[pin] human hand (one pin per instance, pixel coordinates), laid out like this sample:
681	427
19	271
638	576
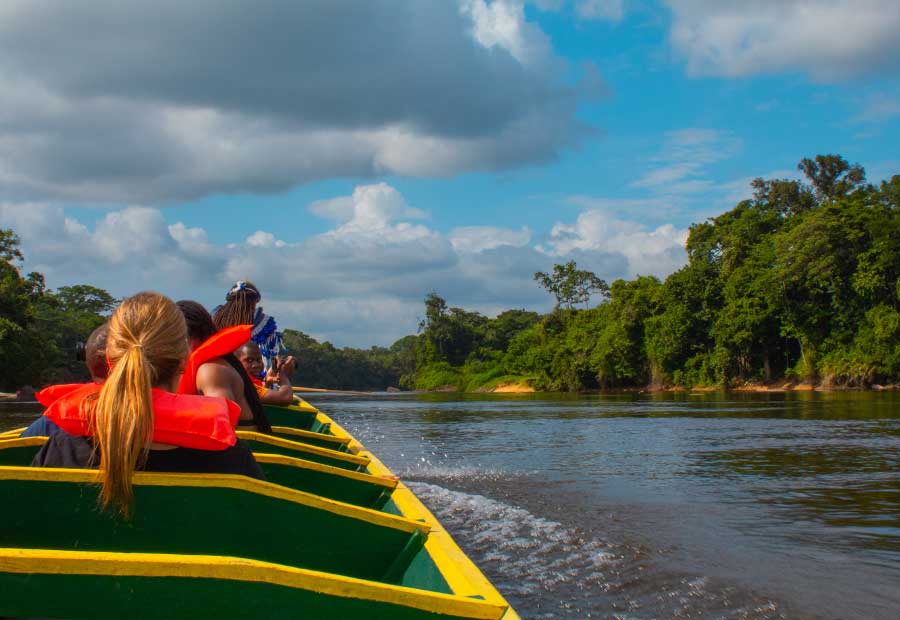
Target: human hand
271	375
287	366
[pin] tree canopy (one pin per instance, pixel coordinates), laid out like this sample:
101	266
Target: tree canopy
570	285
41	329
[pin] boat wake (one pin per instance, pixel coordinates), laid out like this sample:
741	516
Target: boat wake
548	569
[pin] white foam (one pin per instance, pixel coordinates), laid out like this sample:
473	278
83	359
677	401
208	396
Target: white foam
558	571
535	554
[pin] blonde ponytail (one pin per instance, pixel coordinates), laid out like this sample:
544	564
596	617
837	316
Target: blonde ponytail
146	346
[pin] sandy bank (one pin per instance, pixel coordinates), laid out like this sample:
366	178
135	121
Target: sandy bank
512	388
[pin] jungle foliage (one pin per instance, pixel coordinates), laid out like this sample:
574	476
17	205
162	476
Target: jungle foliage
40	330
800	282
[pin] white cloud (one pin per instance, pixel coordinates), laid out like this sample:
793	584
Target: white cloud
649	252
263	239
371	209
118	102
501	23
827	39
469	239
128	250
360	283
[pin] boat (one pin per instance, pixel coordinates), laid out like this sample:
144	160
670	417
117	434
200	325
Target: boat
331	534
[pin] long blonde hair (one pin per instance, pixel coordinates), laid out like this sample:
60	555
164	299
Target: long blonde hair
146	347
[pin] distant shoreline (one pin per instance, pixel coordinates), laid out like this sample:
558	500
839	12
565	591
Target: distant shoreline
769	388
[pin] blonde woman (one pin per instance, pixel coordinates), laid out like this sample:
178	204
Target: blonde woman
135	420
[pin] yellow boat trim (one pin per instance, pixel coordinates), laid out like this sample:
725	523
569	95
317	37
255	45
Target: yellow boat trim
227	481
280	459
302	447
13	433
22	442
41	561
287	430
299	406
458	570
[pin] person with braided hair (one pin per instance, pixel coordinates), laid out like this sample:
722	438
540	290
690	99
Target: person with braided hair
241	308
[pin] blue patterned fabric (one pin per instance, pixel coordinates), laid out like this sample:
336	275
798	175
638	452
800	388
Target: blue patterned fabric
265	333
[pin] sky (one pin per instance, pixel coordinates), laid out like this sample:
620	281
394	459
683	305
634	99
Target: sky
349	157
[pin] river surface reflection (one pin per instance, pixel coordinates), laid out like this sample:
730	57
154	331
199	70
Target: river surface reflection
633	506
639	507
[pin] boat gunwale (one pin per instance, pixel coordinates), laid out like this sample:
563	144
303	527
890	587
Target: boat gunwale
22	442
224	481
113	564
281	459
302	447
298	432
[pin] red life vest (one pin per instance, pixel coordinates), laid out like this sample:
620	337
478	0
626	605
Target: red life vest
200	422
51	393
221	343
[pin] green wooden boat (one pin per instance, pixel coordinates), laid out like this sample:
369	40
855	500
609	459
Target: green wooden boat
318	540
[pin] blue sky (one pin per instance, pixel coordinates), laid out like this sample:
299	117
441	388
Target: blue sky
350	157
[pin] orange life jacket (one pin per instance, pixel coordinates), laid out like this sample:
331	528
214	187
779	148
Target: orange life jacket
187	421
51	393
221	343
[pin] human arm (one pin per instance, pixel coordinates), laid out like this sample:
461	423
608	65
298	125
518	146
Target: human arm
219	379
284	395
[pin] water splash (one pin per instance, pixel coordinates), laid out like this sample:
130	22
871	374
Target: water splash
551	570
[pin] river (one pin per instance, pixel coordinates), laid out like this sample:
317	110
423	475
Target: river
706	506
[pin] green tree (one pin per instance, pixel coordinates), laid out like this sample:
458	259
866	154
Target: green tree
570	285
832	176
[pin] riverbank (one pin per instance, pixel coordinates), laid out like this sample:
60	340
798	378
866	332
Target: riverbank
787	386
524	387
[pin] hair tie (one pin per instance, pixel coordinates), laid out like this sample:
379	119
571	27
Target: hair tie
239	286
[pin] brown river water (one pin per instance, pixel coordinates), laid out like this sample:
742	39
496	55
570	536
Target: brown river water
711	506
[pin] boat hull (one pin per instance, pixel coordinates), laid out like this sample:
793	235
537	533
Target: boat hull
196	546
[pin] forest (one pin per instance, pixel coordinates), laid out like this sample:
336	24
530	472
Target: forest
800	283
41	331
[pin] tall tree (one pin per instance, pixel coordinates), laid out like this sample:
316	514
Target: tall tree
570	285
832	175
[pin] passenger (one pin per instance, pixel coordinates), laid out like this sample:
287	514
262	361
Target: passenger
250	356
95	354
95	360
134	420
219	373
240	308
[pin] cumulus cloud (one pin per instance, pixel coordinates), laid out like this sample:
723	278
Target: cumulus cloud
128	250
827	39
360	283
656	252
131	102
471	239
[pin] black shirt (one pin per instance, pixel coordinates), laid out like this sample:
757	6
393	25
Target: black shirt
64	450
